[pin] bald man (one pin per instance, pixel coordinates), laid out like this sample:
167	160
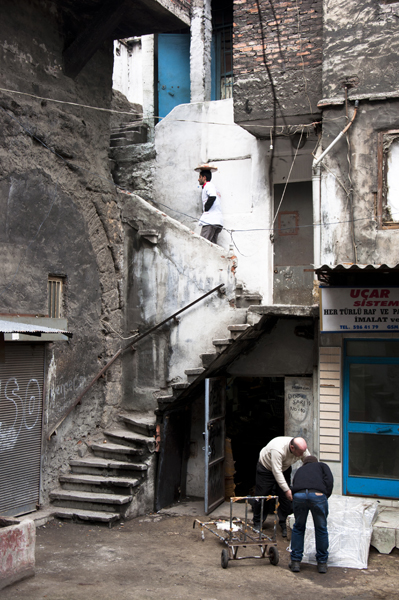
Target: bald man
274	471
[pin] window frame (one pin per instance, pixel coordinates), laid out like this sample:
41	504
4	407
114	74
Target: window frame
382	209
55	306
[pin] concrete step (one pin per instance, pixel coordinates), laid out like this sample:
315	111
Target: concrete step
90	500
143	423
245	300
131	439
221	345
97	483
237	330
207	359
117	141
94	465
164	401
179	387
192	374
109	450
137	153
151	235
133	126
136	135
86	515
385	535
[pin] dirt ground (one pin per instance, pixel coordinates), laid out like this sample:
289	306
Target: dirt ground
163	558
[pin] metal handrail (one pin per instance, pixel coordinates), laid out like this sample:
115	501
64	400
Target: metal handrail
53	430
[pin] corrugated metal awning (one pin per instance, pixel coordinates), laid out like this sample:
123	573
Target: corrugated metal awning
355	267
28	329
331	273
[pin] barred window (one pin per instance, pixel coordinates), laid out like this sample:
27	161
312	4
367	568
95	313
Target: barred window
55	290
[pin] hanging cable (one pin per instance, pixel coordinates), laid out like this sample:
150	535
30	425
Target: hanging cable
285	187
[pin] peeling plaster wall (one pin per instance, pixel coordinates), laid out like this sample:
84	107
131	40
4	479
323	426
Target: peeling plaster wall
361	43
127	76
162	279
133	75
59	216
373	245
199	132
200	51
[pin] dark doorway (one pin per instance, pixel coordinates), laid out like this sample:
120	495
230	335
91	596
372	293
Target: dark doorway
254	415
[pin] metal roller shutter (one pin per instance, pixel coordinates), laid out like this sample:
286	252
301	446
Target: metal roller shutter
21	409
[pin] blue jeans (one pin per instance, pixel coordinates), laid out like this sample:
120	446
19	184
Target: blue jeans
318	506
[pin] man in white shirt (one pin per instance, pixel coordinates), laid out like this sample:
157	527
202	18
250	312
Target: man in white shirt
211	218
273	471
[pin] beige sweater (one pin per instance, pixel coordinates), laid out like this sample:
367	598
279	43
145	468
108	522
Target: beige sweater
277	457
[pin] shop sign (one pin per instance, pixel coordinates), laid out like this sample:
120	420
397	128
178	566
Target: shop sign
359	309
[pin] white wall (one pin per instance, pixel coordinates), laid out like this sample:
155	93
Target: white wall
163	278
127	76
205	132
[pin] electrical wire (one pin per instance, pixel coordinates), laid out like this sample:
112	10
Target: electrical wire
136	334
288	178
324	224
280	130
121	189
107	110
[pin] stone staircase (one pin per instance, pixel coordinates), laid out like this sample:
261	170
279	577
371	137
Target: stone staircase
132	157
109	482
207	359
116	477
244	299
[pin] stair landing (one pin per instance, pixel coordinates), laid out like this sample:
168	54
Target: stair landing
386	530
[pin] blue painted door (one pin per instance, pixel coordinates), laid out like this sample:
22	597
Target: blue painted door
371	418
173	71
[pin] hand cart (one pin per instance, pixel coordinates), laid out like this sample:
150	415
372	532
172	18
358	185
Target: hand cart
238	534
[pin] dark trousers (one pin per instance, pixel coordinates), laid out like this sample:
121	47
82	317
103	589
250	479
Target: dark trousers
211	232
317	504
266	485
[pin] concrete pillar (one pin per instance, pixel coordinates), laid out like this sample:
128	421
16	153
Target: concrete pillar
200	51
149	83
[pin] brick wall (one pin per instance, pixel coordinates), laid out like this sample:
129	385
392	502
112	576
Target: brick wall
296	70
300	27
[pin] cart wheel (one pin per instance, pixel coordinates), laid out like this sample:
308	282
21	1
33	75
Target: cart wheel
225	558
273	555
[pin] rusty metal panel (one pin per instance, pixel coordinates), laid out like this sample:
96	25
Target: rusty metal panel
293	244
21	410
292	285
215	412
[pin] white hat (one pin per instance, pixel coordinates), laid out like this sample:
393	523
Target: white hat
206	167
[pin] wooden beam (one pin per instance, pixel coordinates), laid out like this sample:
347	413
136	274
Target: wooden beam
88	41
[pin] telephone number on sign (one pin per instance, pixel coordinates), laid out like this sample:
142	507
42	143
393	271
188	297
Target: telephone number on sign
375	327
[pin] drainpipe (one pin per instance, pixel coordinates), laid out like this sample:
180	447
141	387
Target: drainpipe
316	192
316	188
339	136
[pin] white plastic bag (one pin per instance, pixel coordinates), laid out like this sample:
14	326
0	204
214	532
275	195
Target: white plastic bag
350	525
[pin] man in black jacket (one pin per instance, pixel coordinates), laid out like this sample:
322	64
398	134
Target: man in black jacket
312	485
